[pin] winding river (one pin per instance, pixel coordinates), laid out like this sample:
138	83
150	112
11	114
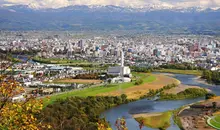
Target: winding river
148	106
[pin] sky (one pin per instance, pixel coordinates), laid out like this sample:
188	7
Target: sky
123	3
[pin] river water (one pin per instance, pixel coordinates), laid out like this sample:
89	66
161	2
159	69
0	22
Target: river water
24	58
148	106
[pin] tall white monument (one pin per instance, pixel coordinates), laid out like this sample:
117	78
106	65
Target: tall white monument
122	64
69	50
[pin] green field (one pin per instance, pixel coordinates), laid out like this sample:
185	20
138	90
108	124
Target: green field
102	89
217	118
215	122
161	121
175	71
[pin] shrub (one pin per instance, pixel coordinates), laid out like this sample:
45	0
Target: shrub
138	82
209	96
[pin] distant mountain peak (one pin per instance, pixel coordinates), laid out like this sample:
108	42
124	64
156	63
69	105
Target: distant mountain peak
113	8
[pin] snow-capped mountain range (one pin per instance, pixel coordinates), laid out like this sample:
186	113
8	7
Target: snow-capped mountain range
112	8
149	18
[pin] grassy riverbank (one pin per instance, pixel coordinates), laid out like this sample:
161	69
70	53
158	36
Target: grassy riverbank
176	71
215	122
94	91
176	117
155	120
186	94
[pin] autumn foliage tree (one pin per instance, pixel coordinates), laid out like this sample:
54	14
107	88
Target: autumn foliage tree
18	115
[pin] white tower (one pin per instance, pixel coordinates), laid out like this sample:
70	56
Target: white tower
122	63
122	58
69	50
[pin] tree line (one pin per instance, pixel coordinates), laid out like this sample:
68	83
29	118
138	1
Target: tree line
212	77
188	93
180	66
141	69
77	113
152	92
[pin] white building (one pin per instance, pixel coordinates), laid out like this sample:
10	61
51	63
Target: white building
120	80
120	70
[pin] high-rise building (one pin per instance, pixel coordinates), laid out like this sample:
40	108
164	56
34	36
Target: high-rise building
81	44
69	50
122	64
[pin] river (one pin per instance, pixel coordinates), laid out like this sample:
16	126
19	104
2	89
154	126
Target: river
24	58
148	106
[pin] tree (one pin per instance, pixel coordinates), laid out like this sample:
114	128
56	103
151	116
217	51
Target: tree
209	96
214	105
121	124
18	115
123	97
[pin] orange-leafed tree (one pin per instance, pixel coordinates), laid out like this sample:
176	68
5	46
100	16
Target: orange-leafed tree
18	115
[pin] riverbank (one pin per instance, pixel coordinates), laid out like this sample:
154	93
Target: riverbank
180	88
194	116
203	81
154	120
176	71
186	93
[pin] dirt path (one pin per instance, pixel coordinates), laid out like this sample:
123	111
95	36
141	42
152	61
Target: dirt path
137	91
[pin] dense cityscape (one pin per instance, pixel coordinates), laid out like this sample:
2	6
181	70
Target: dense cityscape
148	49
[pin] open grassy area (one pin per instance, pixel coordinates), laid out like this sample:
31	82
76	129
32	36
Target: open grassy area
175	71
215	122
157	120
217	118
101	89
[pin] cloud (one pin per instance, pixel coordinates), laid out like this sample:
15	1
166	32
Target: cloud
41	3
130	3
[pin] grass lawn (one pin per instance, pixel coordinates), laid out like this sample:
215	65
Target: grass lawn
217	118
215	122
175	71
101	89
161	120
